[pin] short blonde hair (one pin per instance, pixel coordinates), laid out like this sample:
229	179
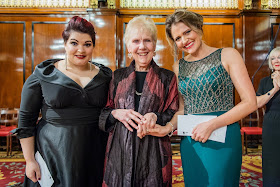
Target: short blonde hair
275	50
141	23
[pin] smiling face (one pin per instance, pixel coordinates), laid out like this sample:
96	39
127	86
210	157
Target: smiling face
79	48
275	61
142	47
186	38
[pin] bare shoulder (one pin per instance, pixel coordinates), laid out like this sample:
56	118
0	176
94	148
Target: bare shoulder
230	52
230	56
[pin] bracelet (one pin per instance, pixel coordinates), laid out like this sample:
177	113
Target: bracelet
172	129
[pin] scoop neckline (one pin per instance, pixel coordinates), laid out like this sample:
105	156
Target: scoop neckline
202	58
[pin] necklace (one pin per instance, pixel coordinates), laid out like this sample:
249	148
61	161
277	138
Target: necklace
138	93
91	66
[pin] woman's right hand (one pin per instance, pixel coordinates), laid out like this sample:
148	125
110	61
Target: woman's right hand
160	131
128	117
32	170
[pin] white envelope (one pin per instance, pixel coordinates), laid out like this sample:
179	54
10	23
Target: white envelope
46	177
186	123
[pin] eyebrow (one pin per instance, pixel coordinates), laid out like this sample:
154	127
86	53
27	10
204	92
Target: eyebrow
78	41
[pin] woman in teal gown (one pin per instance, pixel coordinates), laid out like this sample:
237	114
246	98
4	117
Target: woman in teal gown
206	77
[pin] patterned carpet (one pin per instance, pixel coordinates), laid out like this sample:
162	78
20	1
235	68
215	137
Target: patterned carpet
177	172
251	171
12	171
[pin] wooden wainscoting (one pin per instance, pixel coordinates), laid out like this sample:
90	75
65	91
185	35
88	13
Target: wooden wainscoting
12	65
29	36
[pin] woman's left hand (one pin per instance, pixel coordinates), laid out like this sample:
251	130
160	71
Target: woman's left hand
202	132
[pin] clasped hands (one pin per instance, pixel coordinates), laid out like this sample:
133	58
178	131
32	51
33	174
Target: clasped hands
144	124
276	79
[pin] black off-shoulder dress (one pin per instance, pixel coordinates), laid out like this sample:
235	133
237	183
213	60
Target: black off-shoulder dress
67	136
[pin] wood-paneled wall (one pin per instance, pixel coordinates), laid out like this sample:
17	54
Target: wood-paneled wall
28	37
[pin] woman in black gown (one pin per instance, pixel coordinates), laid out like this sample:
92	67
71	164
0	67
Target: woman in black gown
268	94
70	94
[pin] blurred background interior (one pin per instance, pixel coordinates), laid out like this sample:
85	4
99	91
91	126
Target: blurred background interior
31	33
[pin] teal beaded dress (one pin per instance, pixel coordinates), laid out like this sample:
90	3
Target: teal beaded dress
207	89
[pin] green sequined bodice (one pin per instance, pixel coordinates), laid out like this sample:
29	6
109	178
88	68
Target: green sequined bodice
205	85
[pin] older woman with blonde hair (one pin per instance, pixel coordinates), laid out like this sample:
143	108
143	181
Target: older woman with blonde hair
140	96
268	94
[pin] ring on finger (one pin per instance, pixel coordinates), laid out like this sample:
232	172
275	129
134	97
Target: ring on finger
147	130
127	119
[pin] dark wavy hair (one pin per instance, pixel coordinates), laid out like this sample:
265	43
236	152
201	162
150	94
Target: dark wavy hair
79	24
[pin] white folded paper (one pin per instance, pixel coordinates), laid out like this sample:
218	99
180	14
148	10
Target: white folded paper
46	177
186	123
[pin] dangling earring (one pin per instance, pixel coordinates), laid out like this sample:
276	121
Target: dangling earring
155	53
65	61
129	55
90	66
272	70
